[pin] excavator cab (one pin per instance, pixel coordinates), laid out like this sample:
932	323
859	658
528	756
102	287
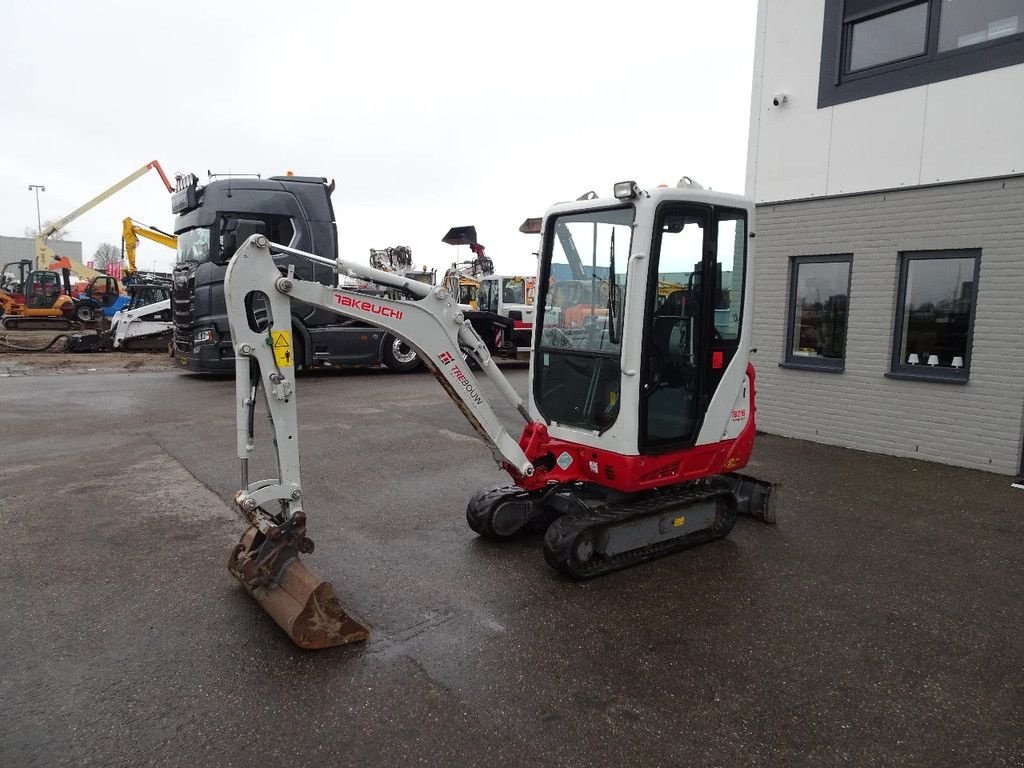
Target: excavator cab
619	364
42	303
42	289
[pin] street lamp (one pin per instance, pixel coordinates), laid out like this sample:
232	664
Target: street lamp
39	222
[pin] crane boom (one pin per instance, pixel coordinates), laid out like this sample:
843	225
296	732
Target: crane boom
44	254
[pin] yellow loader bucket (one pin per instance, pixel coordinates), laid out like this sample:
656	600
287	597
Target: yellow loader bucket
303	605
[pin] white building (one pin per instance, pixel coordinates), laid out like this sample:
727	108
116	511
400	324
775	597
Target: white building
886	158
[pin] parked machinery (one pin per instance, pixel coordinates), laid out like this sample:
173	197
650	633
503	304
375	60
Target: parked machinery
37	302
145	324
462	279
212	220
476	287
637	420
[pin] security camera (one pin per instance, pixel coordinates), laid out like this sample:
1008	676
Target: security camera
779	99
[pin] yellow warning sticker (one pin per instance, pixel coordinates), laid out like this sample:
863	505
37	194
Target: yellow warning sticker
282	343
678	521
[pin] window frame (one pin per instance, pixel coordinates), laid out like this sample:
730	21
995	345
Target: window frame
923	372
836	85
789	360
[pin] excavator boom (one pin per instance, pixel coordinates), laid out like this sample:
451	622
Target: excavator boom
258	303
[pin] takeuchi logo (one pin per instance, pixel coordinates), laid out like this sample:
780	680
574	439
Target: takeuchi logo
367	306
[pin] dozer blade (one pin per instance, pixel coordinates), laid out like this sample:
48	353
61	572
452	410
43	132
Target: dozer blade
303	605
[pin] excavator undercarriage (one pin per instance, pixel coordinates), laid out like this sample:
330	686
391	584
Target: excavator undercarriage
590	531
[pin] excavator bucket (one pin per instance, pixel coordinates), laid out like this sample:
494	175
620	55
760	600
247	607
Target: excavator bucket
303	605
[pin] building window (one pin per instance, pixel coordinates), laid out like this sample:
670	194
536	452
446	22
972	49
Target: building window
963	23
935	314
890	37
819	303
870	47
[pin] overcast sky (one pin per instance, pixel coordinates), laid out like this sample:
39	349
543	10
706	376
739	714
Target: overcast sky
428	115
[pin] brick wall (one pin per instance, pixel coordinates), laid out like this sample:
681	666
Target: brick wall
978	424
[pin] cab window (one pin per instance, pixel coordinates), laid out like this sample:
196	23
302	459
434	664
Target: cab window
580	316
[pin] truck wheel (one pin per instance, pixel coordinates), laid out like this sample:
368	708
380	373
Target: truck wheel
84	313
399	356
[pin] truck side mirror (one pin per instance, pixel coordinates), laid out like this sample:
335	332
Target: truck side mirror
235	232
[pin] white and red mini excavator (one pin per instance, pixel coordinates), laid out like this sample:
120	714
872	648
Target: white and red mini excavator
640	408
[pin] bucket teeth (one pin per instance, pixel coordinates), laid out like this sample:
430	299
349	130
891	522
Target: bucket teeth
303	605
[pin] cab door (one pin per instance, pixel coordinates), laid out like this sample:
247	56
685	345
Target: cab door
675	332
693	319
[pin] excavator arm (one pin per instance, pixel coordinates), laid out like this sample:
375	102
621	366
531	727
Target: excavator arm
132	230
258	298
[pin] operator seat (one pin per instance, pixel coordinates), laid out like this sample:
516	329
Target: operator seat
666	319
671	406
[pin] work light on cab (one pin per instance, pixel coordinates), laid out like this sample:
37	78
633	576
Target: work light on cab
626	190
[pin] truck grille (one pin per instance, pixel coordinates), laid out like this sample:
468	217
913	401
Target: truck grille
182	299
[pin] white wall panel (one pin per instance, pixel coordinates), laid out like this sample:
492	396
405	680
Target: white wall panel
876	143
791	154
974	126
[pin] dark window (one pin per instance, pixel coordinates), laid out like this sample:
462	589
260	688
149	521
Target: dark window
819	302
236	228
935	314
870	47
488	295
513	290
889	37
963	23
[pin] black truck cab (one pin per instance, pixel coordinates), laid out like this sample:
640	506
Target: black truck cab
212	221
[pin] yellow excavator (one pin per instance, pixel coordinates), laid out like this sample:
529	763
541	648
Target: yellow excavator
44	254
131	231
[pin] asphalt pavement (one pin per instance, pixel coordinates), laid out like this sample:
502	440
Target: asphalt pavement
879	623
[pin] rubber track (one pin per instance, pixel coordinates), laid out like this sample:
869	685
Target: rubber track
481	507
478	509
561	536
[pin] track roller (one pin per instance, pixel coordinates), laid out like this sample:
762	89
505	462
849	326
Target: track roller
637	530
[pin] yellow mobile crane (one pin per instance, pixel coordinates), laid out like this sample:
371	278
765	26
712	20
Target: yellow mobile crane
44	254
131	231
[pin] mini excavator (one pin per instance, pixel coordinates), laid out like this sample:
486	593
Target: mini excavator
640	410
